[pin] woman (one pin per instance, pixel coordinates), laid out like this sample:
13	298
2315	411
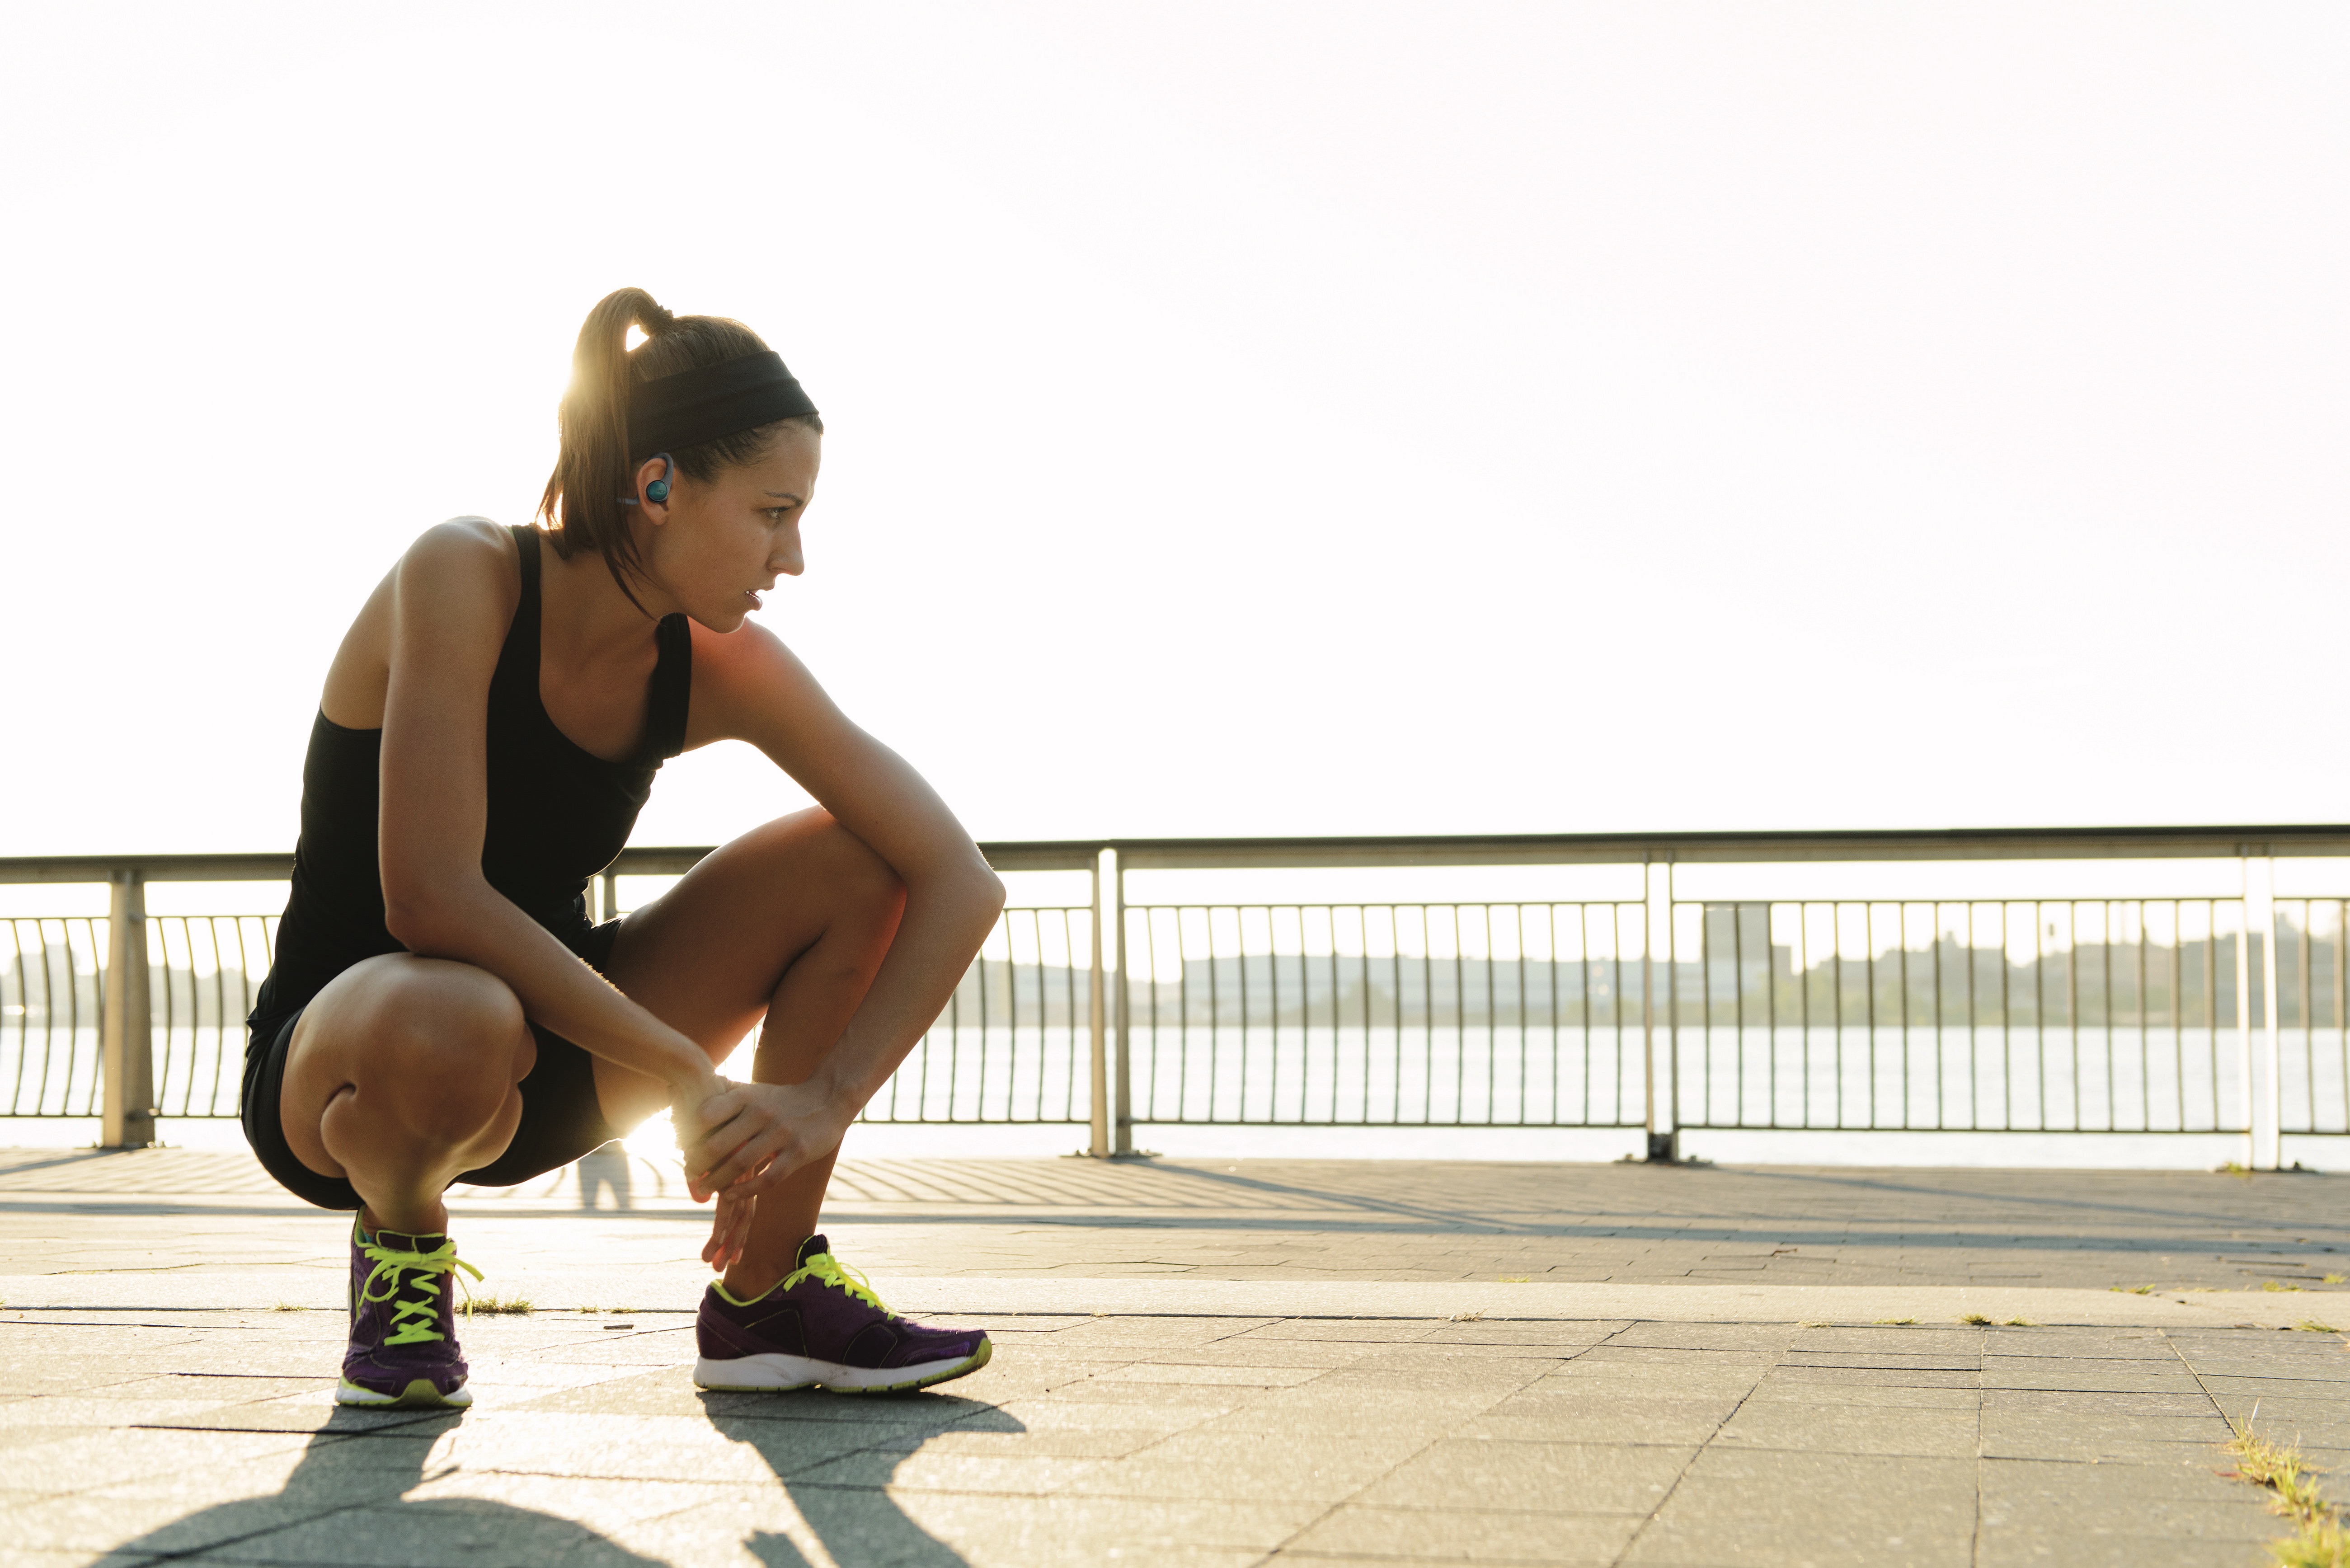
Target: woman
441	1008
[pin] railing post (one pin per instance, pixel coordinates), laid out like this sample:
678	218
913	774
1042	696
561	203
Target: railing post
127	1028
1098	1147
1122	1118
1664	1130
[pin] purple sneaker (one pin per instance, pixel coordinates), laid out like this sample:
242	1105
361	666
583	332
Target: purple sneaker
403	1350
823	1324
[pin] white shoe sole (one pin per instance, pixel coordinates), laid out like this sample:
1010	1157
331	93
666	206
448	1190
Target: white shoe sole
778	1372
419	1395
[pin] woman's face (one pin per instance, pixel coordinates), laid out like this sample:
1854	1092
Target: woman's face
722	545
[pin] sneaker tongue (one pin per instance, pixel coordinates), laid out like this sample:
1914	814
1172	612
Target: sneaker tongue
813	1247
401	1242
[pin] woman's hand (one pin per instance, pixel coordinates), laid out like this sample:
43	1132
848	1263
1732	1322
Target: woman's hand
769	1131
698	1108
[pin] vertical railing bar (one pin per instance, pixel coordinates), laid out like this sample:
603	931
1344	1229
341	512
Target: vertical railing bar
2006	1029
2308	1031
2040	1009
2114	1089
2212	1001
1738	1001
2145	1043
2073	1001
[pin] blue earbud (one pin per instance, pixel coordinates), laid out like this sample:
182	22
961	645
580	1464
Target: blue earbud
658	491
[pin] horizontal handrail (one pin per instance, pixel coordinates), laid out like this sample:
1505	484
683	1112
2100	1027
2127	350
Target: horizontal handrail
2162	842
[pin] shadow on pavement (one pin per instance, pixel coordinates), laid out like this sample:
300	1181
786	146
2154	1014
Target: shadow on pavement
342	1504
603	1168
858	1522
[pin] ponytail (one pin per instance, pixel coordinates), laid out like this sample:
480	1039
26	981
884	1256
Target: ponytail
583	506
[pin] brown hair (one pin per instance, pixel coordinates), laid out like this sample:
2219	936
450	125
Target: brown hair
583	504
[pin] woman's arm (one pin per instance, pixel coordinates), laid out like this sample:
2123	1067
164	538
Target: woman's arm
452	598
747	685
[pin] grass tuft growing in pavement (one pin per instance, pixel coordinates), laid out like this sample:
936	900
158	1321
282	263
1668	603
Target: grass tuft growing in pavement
1897	1322
2277	1285
2330	1280
1975	1318
286	1306
2230	1168
2318	1540
497	1305
2021	1323
2311	1326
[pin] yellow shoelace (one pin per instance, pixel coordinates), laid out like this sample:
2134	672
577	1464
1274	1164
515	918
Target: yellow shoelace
424	1310
826	1269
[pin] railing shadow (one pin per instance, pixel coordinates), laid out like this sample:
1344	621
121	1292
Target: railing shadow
848	1511
348	1486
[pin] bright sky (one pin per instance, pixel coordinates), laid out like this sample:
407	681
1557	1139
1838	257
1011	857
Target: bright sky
1245	419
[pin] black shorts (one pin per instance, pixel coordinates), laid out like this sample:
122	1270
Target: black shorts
560	1117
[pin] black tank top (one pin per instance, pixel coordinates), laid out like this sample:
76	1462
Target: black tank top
558	815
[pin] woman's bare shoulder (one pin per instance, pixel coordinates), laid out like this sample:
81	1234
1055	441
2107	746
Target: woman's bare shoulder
462	543
449	566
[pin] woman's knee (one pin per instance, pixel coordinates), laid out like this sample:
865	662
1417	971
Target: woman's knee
444	1040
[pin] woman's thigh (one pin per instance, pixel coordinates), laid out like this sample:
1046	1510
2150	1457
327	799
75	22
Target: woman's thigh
415	1037
707	956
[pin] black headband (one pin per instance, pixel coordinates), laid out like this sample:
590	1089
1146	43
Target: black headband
673	413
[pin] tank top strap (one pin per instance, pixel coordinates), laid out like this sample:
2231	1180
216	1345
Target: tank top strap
671	689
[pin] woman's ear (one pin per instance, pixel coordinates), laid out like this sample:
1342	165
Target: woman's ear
655	478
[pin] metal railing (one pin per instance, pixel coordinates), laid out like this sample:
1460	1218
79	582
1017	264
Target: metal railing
2187	1014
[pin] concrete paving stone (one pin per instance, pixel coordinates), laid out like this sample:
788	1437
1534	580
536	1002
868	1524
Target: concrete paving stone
2145	1440
1567	1428
1144	1332
1057	1414
2049	1498
1721	1362
2095	1403
459	1532
1105	1391
1812	1392
1058	1443
1086	1530
170	1521
1463	1535
1889	1431
629	1391
1344	1331
1878	1361
1500	1330
1759	1338
2331	1376
2002	1548
1305	1354
130	1453
1770	1507
646	1448
1908	1340
1877	1376
1314	1407
1011	1475
1486	1379
1578	1478
78	1410
1209	1375
1253	1467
